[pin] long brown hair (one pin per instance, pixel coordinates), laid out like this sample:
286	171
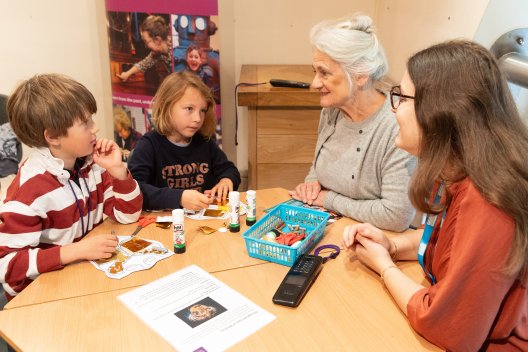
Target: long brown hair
170	91
471	128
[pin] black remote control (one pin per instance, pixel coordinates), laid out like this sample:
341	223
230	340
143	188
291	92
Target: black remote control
298	280
286	83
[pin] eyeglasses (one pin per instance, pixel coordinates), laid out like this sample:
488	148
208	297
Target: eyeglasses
396	97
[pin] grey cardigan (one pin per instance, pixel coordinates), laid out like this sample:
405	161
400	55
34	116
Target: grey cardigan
372	184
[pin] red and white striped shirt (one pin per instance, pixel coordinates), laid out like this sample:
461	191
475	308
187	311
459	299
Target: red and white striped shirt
42	211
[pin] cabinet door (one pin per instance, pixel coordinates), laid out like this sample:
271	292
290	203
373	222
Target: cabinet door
286	149
281	175
281	121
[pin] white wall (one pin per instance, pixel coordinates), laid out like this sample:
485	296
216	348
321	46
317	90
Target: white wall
57	36
500	17
407	26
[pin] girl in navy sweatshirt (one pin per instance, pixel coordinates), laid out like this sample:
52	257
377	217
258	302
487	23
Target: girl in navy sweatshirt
179	164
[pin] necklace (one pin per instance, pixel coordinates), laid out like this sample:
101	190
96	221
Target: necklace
430	226
78	202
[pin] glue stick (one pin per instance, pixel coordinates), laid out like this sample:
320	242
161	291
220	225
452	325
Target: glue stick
251	207
178	231
234	211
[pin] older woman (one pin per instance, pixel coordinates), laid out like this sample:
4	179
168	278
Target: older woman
357	170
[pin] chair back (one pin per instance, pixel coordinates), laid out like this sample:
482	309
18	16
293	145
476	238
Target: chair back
3	109
8	167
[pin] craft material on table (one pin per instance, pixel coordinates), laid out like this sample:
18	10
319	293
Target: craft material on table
212	212
333	215
132	255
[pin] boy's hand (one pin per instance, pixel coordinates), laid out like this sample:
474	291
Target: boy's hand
194	200
221	189
107	154
90	248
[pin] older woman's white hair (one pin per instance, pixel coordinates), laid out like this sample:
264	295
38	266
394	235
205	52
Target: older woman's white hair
351	42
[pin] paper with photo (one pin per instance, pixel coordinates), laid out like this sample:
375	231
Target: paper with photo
193	310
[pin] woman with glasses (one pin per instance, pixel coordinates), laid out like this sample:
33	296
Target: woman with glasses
456	114
357	170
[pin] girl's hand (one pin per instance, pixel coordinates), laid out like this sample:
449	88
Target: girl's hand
306	192
370	245
221	189
107	154
123	76
194	200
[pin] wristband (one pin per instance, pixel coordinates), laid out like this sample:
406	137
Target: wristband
333	255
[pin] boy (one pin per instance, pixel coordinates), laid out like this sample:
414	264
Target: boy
62	190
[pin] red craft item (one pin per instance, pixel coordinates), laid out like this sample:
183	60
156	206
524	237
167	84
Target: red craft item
144	221
289	238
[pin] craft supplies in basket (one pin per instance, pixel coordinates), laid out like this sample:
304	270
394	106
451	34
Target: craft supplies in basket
258	245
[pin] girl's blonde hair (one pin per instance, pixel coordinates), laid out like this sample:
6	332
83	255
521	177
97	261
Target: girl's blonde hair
172	90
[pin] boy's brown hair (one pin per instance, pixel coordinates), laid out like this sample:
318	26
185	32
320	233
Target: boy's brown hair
170	91
51	102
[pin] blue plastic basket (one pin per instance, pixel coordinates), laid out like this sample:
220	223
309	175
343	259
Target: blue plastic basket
313	221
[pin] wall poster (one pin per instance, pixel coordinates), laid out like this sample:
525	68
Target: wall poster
147	41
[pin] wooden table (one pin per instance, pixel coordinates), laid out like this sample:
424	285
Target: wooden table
282	125
347	308
213	253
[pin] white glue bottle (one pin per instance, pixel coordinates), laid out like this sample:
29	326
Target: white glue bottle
234	211
178	231
251	207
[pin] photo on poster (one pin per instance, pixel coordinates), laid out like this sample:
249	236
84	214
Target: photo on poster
148	40
196	49
200	312
140	51
130	124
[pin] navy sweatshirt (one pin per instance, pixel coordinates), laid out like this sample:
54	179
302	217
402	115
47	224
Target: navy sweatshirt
164	170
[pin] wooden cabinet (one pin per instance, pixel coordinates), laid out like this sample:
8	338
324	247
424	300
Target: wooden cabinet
282	126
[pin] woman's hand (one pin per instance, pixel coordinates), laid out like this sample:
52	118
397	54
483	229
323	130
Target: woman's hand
194	200
319	201
221	189
307	192
370	244
107	154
